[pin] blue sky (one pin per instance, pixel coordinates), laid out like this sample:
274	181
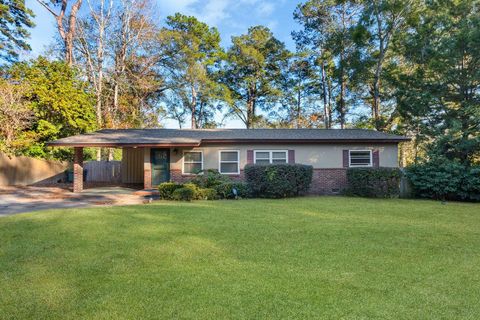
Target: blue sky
231	17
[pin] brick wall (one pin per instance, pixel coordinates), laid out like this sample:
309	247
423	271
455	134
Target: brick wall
78	170
147	169
328	181
324	181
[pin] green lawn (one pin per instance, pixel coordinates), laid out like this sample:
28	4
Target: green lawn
305	258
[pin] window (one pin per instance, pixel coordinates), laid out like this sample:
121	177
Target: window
192	162
229	162
360	158
268	157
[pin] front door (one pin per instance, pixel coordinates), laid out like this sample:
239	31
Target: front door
160	159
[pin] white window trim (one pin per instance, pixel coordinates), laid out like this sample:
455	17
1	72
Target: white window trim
270	156
183	161
220	161
360	165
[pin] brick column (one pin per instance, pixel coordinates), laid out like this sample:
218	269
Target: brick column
147	169
78	169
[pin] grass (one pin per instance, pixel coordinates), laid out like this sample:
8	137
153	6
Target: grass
308	258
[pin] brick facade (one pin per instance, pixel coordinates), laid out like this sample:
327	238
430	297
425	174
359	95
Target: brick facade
324	181
78	169
147	169
328	181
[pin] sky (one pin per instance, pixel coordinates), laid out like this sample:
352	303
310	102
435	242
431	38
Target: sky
231	17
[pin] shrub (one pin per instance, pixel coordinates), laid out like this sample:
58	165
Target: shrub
444	179
206	194
166	190
225	190
183	194
278	180
373	182
209	179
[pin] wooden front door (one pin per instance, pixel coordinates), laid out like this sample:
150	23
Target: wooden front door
160	159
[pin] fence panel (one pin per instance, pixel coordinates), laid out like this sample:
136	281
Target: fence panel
24	170
103	171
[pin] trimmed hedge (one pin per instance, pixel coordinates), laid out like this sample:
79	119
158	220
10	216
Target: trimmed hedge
166	190
183	194
444	180
209	179
225	190
278	180
373	182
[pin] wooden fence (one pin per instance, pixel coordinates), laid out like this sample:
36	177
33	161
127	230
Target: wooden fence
103	171
25	170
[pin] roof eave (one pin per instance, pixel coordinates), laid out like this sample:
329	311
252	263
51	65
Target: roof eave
118	145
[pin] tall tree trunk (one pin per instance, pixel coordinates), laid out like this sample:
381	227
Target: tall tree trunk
341	102
299	108
67	34
326	117
193	108
250	107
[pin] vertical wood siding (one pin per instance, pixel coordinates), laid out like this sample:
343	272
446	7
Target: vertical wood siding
132	165
103	171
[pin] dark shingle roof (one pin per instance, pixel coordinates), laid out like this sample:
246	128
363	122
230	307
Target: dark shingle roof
190	137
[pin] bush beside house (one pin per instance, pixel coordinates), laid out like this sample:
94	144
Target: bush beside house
278	180
445	180
268	181
373	182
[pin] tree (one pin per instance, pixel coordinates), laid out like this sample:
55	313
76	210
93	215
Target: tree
192	49
60	101
15	18
252	72
327	33
66	19
437	80
300	92
15	114
381	22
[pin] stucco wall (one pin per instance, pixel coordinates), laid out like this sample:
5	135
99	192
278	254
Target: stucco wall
326	156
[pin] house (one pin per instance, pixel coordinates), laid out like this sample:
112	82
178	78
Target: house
153	156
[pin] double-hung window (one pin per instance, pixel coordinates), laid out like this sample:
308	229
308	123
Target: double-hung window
229	162
360	158
192	162
270	156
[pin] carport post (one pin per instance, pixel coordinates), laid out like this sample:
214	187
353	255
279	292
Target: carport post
78	169
147	169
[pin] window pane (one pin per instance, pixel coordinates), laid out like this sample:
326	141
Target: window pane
360	158
262	161
279	161
193	156
262	155
192	167
361	154
229	167
228	156
279	155
360	161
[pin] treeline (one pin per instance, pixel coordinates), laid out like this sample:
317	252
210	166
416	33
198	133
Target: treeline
408	67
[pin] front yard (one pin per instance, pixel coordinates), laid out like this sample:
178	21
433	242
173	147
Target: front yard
306	258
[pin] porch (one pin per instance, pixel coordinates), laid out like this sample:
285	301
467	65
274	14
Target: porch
139	166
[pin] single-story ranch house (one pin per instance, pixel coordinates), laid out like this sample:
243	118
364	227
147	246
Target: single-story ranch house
153	156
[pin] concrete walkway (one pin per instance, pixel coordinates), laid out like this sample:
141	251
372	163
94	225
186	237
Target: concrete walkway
15	200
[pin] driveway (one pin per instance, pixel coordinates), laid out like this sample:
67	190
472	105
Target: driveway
25	199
